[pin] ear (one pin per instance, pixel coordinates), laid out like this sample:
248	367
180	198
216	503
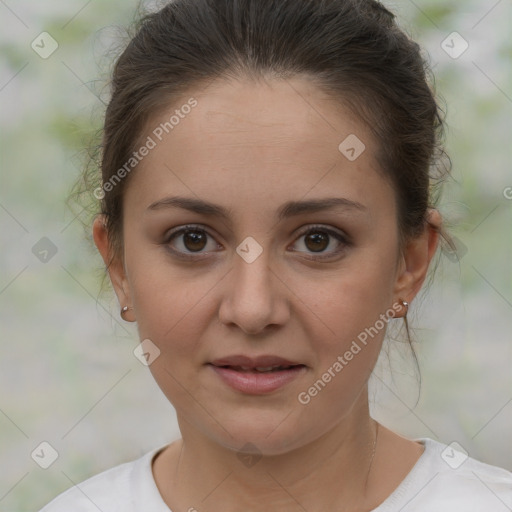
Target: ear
114	266
416	257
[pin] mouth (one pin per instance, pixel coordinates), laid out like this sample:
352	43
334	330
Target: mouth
260	369
256	376
263	362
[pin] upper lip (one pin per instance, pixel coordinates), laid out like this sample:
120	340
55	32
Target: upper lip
253	362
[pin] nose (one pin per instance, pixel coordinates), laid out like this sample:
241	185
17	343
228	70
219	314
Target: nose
254	298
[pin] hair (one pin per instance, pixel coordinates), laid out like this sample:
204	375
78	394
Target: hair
352	49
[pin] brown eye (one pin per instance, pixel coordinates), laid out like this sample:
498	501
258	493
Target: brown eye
317	241
190	242
194	240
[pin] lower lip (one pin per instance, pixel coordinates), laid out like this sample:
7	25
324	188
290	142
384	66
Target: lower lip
254	383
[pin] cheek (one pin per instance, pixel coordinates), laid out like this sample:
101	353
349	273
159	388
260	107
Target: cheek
169	314
353	298
345	358
173	307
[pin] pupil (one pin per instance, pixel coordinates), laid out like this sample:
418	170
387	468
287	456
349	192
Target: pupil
194	240
320	241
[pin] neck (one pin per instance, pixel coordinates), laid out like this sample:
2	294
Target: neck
330	472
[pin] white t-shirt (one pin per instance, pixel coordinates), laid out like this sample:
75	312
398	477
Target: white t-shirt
442	480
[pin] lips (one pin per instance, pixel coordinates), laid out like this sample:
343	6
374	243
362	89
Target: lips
258	375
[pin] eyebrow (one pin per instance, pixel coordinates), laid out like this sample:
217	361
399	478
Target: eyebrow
287	210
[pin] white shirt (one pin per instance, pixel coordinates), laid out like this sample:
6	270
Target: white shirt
442	480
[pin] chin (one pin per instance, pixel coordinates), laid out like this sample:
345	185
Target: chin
261	433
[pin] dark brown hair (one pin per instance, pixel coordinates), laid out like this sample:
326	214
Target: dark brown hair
353	49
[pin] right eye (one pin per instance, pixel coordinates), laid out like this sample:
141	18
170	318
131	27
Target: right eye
186	241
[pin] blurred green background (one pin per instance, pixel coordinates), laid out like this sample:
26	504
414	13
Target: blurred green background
67	372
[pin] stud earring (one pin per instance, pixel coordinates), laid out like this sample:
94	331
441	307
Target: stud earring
124	309
405	304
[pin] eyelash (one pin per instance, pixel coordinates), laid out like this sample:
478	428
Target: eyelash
343	239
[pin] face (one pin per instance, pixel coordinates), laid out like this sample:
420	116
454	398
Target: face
280	251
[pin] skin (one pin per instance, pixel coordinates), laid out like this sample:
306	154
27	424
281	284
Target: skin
250	147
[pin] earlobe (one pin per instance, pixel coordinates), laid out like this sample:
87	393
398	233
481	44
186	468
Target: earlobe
416	258
114	265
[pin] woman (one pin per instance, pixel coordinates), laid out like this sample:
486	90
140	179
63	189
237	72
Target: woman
268	171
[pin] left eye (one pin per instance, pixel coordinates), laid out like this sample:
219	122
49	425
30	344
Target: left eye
318	239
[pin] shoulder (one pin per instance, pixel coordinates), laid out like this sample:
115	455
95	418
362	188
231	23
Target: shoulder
114	490
446	479
107	491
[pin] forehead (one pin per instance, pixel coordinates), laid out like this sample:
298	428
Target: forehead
276	113
257	140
